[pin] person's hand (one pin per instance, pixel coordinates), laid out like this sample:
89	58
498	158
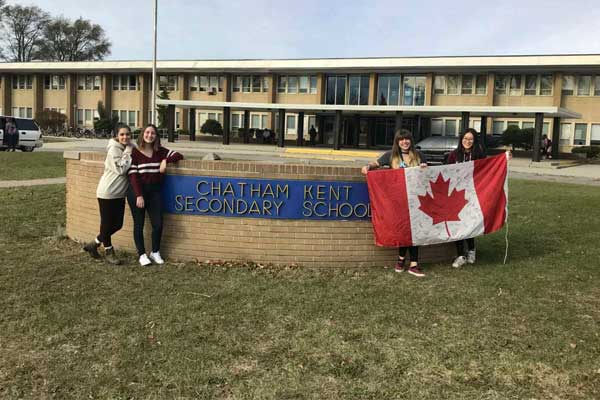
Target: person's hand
508	155
423	165
364	170
163	166
139	202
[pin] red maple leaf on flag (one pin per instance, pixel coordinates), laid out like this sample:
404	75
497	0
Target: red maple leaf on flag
443	206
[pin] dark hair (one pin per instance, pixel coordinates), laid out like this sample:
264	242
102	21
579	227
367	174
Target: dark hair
120	126
140	139
476	150
414	158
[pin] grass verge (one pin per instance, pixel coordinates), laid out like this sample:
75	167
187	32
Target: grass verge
35	165
72	328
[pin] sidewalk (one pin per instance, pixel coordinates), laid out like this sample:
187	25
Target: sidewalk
568	171
33	182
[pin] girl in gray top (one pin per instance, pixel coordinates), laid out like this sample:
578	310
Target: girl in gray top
111	193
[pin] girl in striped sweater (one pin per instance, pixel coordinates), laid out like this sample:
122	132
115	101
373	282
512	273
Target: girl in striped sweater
148	164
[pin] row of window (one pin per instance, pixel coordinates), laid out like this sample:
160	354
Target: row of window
293	84
407	90
207	83
460	84
22	112
577	134
250	83
125	82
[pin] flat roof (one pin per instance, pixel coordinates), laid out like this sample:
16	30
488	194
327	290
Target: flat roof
496	111
508	62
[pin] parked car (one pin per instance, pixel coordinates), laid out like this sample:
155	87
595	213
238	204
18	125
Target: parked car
437	148
30	134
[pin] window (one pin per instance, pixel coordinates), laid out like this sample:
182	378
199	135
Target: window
580	134
531	84
528	125
595	136
236	120
497	128
282	86
500	84
512	123
263	121
467	84
452	84
597	85
291	122
125	82
250	83
207	83
303	84
85	117
89	82
565	134
414	90
22	82
546	84
439	84
584	83
313	84
237	84
437	127
515	85
54	82
167	82
22	112
481	84
568	85
293	84
358	87
255	121
450	127
336	90
388	90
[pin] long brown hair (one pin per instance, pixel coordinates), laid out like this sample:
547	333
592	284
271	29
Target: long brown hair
155	144
413	159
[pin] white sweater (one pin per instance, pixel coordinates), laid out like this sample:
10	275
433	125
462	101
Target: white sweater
114	182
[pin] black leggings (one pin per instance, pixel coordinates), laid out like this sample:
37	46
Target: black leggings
111	219
152	204
413	251
460	246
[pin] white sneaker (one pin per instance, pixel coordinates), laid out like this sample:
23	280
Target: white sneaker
459	262
144	260
471	256
157	258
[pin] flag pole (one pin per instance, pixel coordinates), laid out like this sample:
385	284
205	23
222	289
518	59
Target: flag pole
153	115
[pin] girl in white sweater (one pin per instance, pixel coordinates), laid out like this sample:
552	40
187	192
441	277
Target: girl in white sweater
111	193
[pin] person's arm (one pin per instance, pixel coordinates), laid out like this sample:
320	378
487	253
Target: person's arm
370	166
423	162
168	156
451	158
134	177
117	161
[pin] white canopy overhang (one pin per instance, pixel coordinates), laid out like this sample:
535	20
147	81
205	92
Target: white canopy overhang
474	111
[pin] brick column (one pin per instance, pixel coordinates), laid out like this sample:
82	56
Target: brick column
107	93
144	101
7	94
373	89
557	93
185	95
38	94
428	88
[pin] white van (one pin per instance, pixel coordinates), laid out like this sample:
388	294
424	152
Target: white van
30	135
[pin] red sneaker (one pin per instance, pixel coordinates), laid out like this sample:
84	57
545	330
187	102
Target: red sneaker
400	267
416	271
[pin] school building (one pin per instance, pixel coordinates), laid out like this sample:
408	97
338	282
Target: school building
355	102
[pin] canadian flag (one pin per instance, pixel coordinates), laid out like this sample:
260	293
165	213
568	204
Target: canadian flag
419	206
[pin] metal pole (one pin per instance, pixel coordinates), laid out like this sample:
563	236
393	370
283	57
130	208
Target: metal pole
153	118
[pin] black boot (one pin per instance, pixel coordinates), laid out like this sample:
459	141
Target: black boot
92	249
111	257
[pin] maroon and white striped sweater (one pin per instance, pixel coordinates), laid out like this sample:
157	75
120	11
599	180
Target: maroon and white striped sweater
145	170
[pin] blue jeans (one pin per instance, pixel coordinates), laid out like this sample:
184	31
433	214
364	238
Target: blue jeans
153	205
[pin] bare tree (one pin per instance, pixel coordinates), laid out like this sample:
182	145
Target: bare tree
80	40
22	29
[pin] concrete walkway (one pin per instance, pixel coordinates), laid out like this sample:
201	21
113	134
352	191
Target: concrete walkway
567	171
33	182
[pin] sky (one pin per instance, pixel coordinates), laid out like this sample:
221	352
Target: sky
276	29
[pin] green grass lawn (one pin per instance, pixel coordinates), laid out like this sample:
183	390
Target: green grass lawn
71	328
36	165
